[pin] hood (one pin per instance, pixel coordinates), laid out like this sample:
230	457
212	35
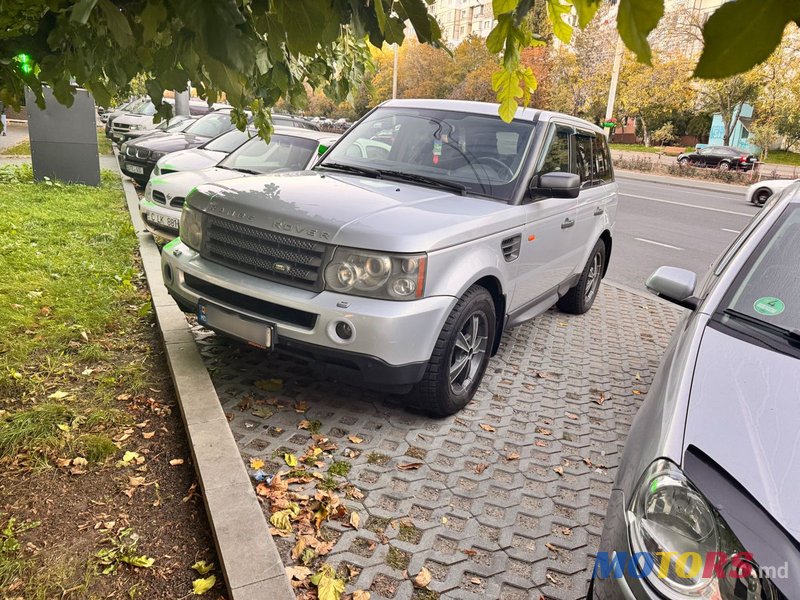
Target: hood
181	183
357	211
130	119
190	160
171	142
743	413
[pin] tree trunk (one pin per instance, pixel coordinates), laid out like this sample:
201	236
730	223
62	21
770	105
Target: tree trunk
645	133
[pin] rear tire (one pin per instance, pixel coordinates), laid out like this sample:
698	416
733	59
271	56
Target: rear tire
580	298
724	166
459	357
684	162
761	196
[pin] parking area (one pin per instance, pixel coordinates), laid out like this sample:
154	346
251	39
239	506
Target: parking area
506	499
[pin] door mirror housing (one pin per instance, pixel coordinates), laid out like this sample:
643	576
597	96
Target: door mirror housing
556	185
674	284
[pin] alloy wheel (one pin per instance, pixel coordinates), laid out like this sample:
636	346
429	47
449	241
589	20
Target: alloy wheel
593	277
468	352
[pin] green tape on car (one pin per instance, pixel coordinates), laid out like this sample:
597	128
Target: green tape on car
769	306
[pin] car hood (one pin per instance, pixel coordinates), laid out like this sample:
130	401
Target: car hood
171	142
182	182
743	414
356	211
191	160
133	119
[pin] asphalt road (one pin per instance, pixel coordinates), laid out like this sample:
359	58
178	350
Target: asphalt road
661	224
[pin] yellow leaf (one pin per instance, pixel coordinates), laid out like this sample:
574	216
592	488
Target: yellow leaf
201	586
282	519
329	587
290	459
269	385
130	456
203	567
355	520
423	578
256	463
298	573
355	439
486	427
59	395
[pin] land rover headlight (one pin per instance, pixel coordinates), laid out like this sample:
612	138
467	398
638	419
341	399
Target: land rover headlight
376	275
191	229
676	535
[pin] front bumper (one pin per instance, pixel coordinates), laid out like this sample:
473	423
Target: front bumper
392	341
159	219
131	165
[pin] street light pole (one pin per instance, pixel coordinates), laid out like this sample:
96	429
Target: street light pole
394	74
612	91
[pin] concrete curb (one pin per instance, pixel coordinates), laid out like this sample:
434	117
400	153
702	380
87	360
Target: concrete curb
250	561
681	182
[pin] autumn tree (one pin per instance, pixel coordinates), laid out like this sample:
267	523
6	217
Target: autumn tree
726	97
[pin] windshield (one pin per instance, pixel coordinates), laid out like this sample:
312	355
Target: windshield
766	291
284	152
479	153
228	142
211	125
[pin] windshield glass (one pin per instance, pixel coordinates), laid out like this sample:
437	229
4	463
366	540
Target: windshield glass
228	142
767	290
148	108
480	153
284	152
211	125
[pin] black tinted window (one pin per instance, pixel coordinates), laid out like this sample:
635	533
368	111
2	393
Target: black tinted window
602	159
583	157
556	156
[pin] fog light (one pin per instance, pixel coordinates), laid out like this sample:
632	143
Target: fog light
167	273
344	330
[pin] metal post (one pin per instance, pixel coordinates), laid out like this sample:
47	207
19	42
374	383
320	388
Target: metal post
182	102
612	91
394	74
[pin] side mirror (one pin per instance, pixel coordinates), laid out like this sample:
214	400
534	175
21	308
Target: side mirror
556	185
674	284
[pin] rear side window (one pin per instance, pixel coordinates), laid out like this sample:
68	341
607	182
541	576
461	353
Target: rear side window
602	159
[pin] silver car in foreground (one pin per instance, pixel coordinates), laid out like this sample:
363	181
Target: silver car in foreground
402	269
705	500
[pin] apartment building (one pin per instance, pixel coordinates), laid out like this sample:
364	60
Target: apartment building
461	18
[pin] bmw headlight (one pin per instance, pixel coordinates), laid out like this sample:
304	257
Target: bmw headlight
156	170
682	544
156	155
148	191
123	148
376	275
191	229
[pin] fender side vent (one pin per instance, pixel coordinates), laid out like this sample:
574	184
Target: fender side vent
510	247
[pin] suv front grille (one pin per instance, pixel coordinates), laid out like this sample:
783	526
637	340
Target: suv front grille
177	202
121	127
274	256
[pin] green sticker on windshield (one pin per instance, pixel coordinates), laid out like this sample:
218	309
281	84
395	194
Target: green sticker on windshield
769	306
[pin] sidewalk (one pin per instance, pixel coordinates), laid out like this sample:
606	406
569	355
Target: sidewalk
16	133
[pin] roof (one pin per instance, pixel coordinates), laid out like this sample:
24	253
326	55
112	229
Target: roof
306	133
485	108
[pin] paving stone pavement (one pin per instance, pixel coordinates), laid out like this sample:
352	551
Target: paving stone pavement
560	394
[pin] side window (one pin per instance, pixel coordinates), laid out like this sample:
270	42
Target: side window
556	155
583	158
602	159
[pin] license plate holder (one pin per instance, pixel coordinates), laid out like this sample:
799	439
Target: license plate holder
163	220
135	169
255	332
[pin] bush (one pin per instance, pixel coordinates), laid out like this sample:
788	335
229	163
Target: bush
646	165
664	135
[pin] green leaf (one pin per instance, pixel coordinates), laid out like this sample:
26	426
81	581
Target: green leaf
329	587
203	567
586	10
417	12
506	84
561	29
152	16
503	6
381	15
742	34
201	586
635	20
81	11
145	562
117	24
499	34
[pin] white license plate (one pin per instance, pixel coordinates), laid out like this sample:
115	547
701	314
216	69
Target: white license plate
164	220
257	333
136	169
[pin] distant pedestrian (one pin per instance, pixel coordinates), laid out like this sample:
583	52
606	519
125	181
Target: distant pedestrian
3	117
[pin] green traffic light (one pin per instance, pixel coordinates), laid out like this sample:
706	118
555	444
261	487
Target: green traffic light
25	63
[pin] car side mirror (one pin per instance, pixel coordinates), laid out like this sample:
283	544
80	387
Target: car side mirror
556	185
674	284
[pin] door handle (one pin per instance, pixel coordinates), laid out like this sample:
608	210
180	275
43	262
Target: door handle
598	211
567	223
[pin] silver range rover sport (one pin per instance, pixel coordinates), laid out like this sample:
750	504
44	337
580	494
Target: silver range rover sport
399	264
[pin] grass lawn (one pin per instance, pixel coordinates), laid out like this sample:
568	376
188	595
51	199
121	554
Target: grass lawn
87	417
782	157
23	148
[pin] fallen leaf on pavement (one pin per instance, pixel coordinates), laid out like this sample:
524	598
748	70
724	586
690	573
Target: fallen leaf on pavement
361	595
256	463
59	395
301	407
355	520
423	578
559	470
410	466
543	431
298	573
148	434
636	392
203	567
550	547
304	424
201	586
470	552
355	439
290	459
481	468
572	416
176	461
136	481
512	456
541	443
601	399
486	427
329	586
476	581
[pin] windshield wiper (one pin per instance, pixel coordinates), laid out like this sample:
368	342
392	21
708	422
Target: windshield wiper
792	335
450	185
374	173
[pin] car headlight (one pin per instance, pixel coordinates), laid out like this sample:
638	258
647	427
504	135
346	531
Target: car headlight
157	155
376	275
191	229
123	148
136	127
156	170
677	532
148	191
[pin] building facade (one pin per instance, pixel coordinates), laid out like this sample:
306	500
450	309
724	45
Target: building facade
461	18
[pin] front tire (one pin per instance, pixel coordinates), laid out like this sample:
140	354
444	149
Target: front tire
684	162
761	196
460	355
580	298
